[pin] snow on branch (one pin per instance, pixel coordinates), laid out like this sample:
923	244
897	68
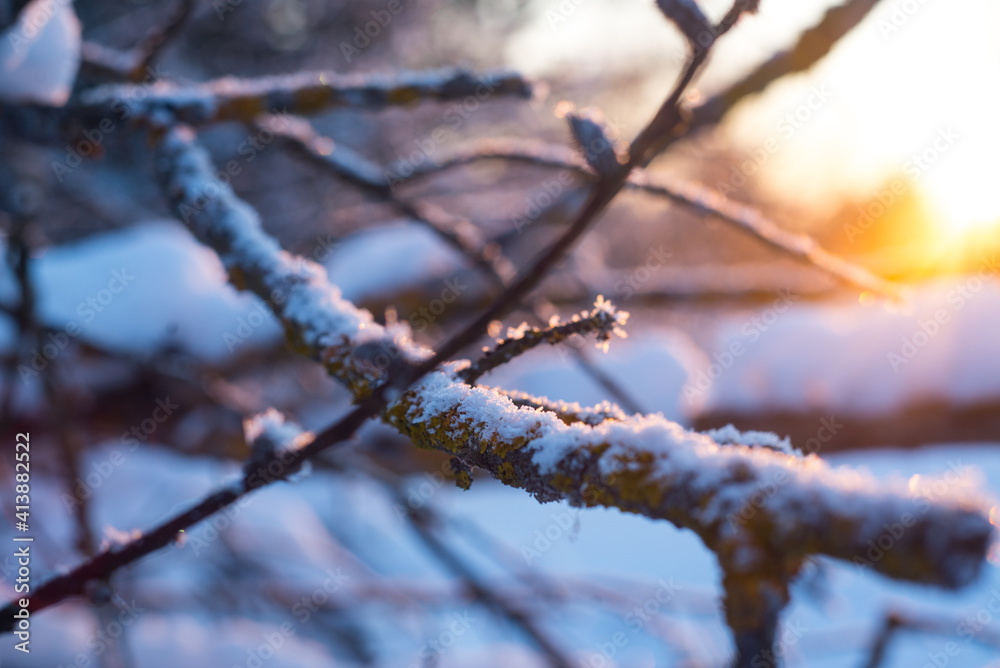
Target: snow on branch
161	102
641	464
653	467
567	411
317	320
306	93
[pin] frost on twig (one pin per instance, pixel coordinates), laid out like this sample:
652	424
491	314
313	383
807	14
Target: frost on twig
603	321
567	411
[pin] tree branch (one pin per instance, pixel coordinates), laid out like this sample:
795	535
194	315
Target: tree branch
640	464
688	193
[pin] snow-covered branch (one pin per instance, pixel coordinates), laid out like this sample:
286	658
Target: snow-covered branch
304	93
161	102
760	510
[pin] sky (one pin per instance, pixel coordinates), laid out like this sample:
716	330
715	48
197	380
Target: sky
914	71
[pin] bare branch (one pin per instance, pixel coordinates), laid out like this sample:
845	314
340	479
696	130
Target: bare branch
811	47
458	232
750	220
642	149
131	65
687	16
688	193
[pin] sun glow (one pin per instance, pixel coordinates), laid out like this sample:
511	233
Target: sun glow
967	203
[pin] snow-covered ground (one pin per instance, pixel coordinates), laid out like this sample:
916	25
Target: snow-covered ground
342	536
860	360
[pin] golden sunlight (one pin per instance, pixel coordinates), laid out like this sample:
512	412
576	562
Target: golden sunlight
898	122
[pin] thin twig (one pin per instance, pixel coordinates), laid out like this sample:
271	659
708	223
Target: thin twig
812	46
458	232
603	191
688	193
305	93
132	64
568	412
602	322
897	621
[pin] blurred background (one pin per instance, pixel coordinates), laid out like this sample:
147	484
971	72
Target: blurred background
884	152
